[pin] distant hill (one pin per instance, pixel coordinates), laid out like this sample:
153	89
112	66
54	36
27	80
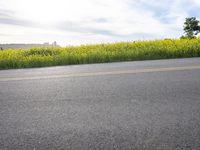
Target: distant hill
26	46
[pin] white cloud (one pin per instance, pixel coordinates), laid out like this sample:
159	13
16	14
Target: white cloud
196	2
90	21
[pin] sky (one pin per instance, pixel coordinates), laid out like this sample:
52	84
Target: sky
75	22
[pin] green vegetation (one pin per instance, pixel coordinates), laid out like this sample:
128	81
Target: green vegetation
123	51
191	28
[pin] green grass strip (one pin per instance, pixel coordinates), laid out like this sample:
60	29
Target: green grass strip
99	53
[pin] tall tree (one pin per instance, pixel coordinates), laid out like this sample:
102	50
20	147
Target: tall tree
191	27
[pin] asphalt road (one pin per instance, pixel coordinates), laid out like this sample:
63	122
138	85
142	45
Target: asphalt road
144	105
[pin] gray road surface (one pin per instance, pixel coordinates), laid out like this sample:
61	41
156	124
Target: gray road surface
144	105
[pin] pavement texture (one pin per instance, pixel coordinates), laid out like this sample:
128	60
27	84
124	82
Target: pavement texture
114	106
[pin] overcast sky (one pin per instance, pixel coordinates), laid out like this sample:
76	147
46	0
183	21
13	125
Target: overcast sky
72	22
